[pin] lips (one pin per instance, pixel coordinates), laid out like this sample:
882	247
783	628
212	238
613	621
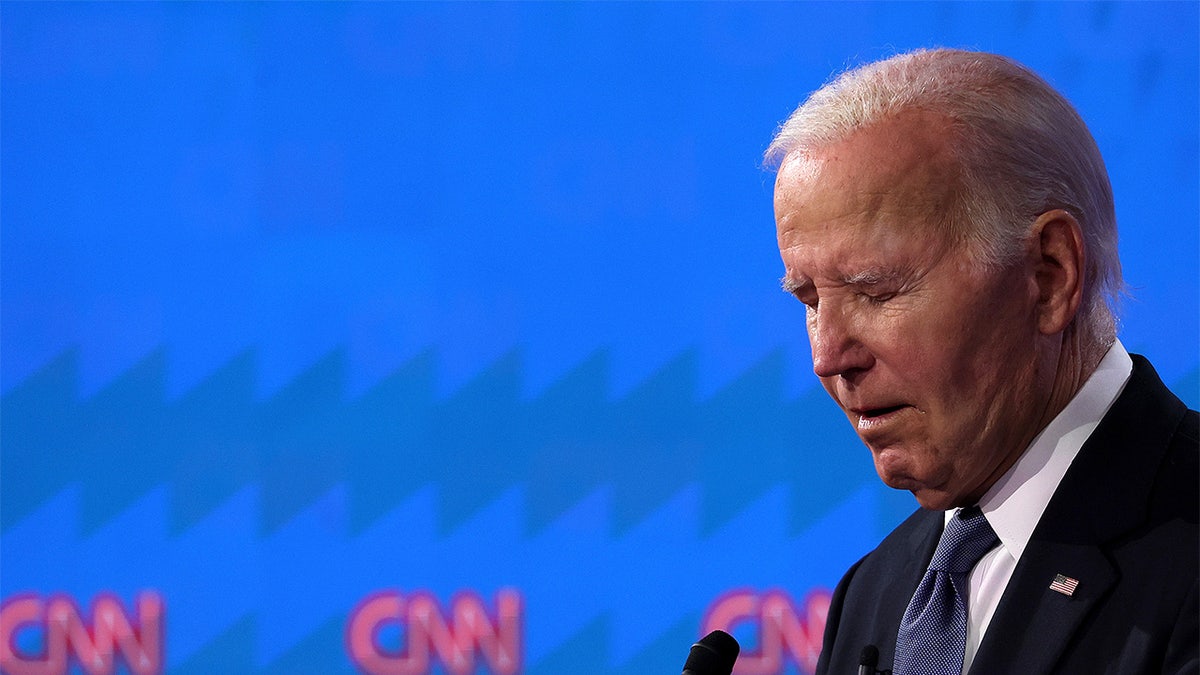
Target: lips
874	420
870	413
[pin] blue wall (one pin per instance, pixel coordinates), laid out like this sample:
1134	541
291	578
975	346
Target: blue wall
304	301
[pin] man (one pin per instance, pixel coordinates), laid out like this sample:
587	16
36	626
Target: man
947	220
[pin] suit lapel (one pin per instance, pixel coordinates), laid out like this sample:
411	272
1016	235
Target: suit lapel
1034	623
1102	496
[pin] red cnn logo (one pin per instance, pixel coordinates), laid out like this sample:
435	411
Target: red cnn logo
784	632
430	635
94	646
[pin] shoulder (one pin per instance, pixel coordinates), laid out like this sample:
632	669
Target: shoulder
871	597
1123	522
1150	441
907	548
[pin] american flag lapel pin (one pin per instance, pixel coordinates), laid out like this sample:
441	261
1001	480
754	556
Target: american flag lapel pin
1064	584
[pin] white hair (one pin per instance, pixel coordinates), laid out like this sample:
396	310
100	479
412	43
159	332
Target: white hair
1021	147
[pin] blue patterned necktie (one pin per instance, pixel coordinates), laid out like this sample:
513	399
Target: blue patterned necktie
933	632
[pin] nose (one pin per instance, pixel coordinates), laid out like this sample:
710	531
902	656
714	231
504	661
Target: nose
837	348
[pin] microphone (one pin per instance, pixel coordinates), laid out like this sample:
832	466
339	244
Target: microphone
714	654
868	660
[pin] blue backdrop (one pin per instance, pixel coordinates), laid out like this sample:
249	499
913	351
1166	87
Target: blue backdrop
305	303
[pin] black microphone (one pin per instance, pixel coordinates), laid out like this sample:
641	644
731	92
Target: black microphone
868	660
714	654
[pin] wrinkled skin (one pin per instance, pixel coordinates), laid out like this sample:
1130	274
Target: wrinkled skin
946	369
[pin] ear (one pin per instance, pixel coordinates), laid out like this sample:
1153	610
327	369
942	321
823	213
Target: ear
1057	243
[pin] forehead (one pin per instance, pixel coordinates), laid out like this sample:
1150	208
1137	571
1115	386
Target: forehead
872	194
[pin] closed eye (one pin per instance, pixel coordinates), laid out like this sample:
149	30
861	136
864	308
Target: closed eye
804	291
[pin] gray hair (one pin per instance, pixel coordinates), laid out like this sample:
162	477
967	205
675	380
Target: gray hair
1021	147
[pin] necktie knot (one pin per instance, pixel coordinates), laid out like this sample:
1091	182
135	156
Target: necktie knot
967	537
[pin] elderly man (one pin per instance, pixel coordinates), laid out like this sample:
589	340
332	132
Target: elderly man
947	221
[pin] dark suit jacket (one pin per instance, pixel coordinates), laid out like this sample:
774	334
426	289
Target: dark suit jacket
1122	522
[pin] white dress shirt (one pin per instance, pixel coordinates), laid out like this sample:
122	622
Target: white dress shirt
1014	505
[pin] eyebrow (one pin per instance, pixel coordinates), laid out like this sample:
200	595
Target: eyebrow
868	277
791	285
871	277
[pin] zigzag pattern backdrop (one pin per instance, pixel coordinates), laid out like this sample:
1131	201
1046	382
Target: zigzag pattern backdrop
220	493
301	303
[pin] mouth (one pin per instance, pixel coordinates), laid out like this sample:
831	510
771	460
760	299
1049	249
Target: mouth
870	419
873	413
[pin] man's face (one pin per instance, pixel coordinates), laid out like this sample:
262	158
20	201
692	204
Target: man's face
931	357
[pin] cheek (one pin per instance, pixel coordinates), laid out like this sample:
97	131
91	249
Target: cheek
933	373
914	355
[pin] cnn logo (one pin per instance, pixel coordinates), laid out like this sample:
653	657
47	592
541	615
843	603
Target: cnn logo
96	642
458	637
785	632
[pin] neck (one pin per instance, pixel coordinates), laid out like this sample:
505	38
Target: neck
1079	354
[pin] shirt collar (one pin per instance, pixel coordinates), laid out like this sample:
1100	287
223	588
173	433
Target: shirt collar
1015	504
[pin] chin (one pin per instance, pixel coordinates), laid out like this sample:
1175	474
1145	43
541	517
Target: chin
935	501
928	497
894	471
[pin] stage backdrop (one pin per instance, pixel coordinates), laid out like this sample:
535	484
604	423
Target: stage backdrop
447	338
